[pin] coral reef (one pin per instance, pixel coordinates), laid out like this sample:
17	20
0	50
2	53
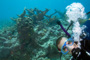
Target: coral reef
8	41
34	36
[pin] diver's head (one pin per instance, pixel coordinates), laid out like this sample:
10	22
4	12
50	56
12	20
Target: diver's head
65	45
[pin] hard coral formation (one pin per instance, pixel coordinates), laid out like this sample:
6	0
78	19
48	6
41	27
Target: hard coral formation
36	34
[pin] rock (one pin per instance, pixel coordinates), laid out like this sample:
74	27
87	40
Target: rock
4	52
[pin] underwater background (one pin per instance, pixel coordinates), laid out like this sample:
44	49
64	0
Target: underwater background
12	8
28	29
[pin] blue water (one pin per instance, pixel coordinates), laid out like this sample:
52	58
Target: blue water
10	8
87	24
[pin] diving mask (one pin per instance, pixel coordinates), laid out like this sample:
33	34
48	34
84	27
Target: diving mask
68	42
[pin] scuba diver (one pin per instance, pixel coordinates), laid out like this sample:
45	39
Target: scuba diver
67	45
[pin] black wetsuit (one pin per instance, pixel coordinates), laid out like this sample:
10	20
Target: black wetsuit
83	55
85	46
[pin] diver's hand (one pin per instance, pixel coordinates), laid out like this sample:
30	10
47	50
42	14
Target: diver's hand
58	22
76	52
